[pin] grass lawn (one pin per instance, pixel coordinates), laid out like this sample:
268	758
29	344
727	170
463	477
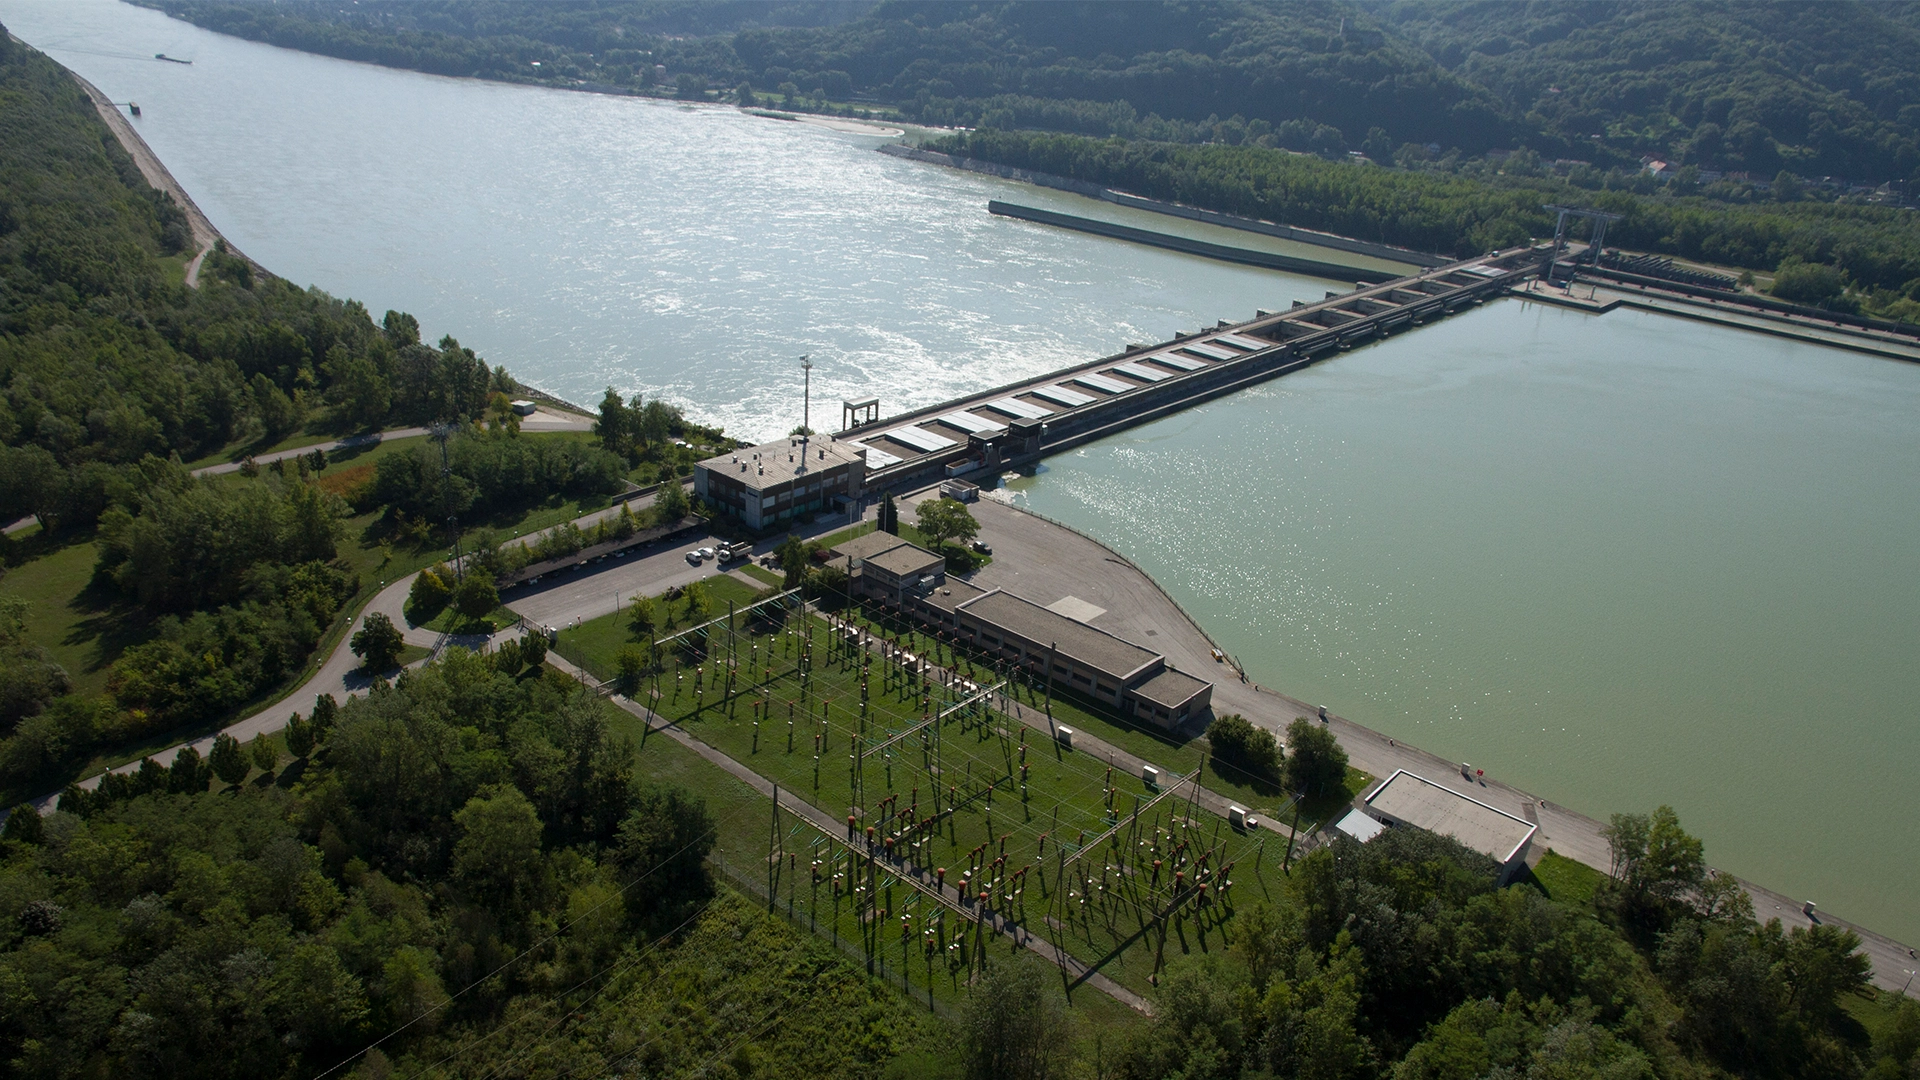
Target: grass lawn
82	626
597	643
764	575
450	621
1169	749
1569	882
976	793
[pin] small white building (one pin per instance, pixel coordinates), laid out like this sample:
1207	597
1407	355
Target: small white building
1410	799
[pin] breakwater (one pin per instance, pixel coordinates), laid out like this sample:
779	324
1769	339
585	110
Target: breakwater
1159	206
1245	256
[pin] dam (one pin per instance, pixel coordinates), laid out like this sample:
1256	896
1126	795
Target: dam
1022	421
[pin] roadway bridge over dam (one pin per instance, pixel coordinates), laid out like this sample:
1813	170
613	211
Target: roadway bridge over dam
1022	421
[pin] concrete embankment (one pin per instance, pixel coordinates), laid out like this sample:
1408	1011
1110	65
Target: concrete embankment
1603	294
204	234
1245	256
1159	206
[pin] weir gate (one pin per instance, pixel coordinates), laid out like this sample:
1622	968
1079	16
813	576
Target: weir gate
1023	421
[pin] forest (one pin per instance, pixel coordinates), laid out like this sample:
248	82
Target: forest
205	595
1815	89
1872	253
473	871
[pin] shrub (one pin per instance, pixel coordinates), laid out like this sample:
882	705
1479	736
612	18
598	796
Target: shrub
430	594
1245	747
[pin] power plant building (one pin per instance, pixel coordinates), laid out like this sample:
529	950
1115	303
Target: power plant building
777	481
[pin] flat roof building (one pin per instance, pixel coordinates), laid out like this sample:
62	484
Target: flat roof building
776	481
1411	799
1134	680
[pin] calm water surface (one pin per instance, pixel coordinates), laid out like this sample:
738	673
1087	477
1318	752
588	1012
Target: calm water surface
1620	561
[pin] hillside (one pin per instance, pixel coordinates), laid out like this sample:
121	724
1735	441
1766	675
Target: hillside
1813	88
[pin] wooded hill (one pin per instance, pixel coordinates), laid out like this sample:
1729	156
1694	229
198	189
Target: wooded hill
204	595
1812	88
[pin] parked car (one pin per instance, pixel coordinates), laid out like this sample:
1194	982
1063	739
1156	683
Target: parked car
706	553
694	556
982	547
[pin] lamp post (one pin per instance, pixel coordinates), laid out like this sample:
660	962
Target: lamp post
806	396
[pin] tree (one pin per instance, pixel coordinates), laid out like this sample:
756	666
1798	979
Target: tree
616	424
265	755
229	762
661	850
657	422
1653	857
1244	746
1808	283
358	392
1012	1027
325	709
1315	763
299	737
498	854
889	516
189	775
694	596
429	594
475	597
31	482
642	619
23	825
670	504
630	668
533	649
377	643
945	519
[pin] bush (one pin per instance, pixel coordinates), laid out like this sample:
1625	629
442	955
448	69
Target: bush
1316	765
475	597
1244	747
1814	284
430	594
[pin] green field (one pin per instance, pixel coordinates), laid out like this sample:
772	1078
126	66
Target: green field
1062	843
596	644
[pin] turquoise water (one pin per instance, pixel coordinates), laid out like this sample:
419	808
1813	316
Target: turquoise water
1621	561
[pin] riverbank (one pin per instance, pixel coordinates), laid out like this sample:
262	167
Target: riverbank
1405	256
205	236
1046	561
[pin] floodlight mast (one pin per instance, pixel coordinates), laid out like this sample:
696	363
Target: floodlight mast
806	396
441	432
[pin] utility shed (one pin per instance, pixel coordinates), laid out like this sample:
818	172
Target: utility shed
1410	799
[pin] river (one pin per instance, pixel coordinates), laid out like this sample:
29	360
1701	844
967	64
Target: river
1619	561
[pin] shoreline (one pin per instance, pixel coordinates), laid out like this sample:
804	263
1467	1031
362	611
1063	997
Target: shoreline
1767	903
205	235
1565	831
